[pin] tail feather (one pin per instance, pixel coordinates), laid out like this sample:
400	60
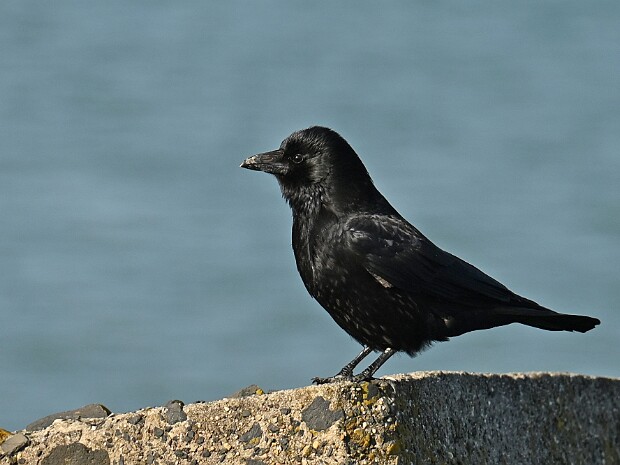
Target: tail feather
549	320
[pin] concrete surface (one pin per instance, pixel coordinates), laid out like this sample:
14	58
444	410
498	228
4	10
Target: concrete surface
420	418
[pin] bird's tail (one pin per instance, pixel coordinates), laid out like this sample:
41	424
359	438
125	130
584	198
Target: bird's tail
548	319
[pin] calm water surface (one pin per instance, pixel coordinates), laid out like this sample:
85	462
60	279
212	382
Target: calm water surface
139	264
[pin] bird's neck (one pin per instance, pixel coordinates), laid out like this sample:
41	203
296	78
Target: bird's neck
305	201
311	212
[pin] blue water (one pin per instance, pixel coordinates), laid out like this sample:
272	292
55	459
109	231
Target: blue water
139	264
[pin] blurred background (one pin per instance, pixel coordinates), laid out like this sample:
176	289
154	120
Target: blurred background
139	264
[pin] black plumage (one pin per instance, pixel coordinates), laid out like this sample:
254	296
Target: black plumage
380	278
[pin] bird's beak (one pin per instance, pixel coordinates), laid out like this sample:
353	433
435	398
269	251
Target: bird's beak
269	162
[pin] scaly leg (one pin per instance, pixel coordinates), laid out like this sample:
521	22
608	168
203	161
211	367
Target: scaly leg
347	372
366	375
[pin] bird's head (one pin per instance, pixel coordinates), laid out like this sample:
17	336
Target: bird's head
316	159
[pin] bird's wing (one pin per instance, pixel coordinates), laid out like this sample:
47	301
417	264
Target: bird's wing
394	250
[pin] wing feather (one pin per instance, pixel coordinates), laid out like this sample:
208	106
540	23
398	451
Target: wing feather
393	249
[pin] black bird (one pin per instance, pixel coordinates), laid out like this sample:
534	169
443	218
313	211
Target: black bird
378	277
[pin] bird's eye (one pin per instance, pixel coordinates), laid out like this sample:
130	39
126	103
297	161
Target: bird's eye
297	158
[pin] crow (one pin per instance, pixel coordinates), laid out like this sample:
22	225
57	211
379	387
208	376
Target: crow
377	275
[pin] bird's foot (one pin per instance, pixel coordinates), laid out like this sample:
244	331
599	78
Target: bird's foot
346	374
318	380
343	375
331	379
363	376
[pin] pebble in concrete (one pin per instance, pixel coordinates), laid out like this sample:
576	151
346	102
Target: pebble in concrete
247	391
76	454
318	415
88	411
13	444
254	432
174	412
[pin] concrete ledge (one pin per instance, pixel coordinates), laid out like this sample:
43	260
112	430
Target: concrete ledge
432	417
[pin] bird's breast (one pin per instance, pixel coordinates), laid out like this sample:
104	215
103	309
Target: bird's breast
316	244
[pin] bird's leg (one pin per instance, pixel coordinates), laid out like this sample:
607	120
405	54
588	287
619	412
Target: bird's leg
366	375
347	371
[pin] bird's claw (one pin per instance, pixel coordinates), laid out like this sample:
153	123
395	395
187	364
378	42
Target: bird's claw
361	378
342	377
329	379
